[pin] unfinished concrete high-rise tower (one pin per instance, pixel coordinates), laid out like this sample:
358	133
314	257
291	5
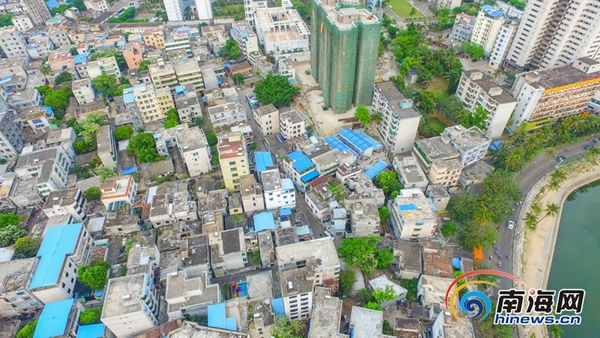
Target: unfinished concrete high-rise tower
344	47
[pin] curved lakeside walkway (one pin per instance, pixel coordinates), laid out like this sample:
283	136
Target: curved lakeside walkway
533	249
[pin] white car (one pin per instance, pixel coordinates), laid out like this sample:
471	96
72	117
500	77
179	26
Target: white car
511	225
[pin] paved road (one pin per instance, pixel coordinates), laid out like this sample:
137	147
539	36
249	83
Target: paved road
535	170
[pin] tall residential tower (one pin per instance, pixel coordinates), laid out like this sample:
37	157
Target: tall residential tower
344	46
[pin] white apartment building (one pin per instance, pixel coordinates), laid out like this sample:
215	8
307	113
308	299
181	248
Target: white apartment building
187	295
37	10
172	203
179	43
130	305
23	22
555	32
39	45
60	37
96	5
64	249
15	297
188	72
503	41
412	215
439	161
487	27
66	202
448	3
291	124
174	9
244	36
252	194
203	9
364	217
49	167
12	43
187	103
400	119
93	69
163	74
471	144
116	192
278	192
12	139
476	89
107	147
227	114
462	28
281	29
409	172
192	145
83	91
267	119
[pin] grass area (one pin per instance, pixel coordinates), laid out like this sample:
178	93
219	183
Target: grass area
235	11
338	191
433	127
403	9
438	85
238	218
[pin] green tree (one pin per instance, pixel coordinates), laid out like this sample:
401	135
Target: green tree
425	101
73	51
285	328
172	118
144	65
28	330
385	295
58	100
555	331
106	83
411	288
256	258
60	9
126	16
238	79
10	234
144	148
363	115
448	229
6	20
63	77
361	252
487	328
94	276
8	219
211	138
123	132
90	316
385	257
92	194
187	13
387	328
347	278
477	119
105	172
79	5
90	126
27	246
471	235
551	210
384	214
473	49
230	51
388	182
373	306
276	90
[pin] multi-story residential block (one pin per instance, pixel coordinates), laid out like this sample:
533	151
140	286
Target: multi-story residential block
185	294
12	138
297	166
127	110
187	103
172	203
346	78
487	27
545	95
63	62
244	36
400	119
93	69
154	38
448	3
412	215
15	297
203	10
96	5
83	91
60	37
107	147
12	43
285	67
471	143
364	217
37	10
252	194
233	159
303	266
25	99
174	9
49	167
229	252
116	192
130	305
178	43
278	192
503	41
267	119
39	45
23	22
439	160
133	54
410	173
227	114
39	120
188	72
63	251
327	159
192	145
66	202
146	100
291	124
164	99
476	89
163	74
462	28
554	32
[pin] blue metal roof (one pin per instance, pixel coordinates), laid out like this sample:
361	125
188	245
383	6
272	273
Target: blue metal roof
217	318
277	305
496	14
57	243
355	140
264	221
81	58
180	90
301	161
129	171
91	331
376	169
287	184
128	98
263	160
376	145
285	211
339	145
310	176
54	317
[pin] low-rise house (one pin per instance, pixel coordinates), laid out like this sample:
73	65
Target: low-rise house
15	297
407	262
40	120
143	258
474	174
412	215
439	197
291	124
172	203
438	262
327	159
229	253
212	202
410	173
83	91
226	114
471	143
189	296
122	222
439	160
195	255
49	168
252	194
361	186
297	166
119	191
63	251
66	202
192	145
431	290
62	137
266	248
267	119
156	170
187	103
364	217
278	192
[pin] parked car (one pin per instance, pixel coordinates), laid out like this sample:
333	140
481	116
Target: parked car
511	225
560	158
474	60
588	147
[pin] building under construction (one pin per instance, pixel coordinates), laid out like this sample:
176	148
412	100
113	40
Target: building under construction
344	45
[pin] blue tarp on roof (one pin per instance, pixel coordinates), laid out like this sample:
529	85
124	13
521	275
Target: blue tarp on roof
301	161
57	243
496	14
179	90
376	145
408	207
264	221
287	184
355	140
339	145
496	145
91	331
52	3
376	169
277	305
456	263
219	82
54	317
129	171
263	160
217	318
310	176
81	58
285	211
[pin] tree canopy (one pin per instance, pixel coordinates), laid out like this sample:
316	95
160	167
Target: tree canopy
285	328
79	5
106	83
276	90
347	278
364	253
90	316
230	50
92	194
9	229
144	148
28	330
27	246
58	100
63	77
94	275
473	49
363	115
172	118
6	20
386	294
388	182
123	132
